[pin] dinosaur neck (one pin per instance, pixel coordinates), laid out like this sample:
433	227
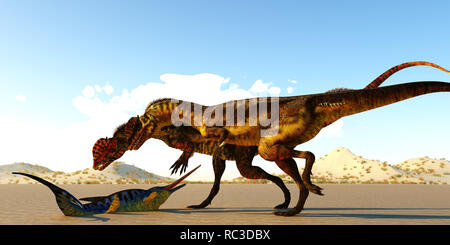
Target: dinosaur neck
166	112
335	106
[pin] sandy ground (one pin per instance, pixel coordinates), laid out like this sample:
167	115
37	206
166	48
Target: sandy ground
243	204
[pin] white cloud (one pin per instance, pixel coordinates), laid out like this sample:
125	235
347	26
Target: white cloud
260	88
21	98
88	92
98	88
108	89
69	148
290	90
292	81
274	91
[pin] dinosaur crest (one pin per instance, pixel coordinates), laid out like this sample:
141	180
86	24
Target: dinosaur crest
99	148
105	150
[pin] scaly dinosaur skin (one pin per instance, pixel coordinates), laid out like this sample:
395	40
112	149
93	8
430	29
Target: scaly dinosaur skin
131	200
307	114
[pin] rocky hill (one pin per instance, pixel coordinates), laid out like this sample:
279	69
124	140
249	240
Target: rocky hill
342	166
118	173
338	166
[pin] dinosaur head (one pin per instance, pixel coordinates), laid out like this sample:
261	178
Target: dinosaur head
107	150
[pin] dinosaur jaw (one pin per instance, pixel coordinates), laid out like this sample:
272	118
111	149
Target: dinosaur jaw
172	187
100	165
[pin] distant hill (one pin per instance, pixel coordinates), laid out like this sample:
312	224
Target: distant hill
117	173
338	166
24	167
342	166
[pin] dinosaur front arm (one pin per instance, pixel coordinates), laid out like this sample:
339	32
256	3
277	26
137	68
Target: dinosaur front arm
182	163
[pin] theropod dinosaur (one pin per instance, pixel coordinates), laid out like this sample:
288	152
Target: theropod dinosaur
190	140
131	200
302	118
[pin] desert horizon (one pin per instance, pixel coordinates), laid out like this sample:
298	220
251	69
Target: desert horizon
338	166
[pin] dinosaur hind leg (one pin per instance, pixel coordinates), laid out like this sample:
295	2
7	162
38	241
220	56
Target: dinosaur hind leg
289	166
306	175
219	168
283	157
254	172
281	152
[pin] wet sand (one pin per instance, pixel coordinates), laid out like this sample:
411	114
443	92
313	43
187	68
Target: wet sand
242	204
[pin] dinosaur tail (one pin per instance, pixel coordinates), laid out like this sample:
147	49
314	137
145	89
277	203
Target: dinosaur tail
380	79
346	103
67	203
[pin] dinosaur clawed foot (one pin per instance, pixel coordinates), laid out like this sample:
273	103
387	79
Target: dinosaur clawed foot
282	206
314	189
200	206
290	212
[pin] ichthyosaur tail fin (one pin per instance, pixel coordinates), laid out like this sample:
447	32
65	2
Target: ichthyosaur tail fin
67	203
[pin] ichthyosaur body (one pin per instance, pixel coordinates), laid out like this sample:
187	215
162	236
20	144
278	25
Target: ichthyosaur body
130	200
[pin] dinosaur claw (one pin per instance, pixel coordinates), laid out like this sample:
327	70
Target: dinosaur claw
196	206
281	206
290	212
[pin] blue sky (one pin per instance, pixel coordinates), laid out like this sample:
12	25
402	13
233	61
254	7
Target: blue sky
50	51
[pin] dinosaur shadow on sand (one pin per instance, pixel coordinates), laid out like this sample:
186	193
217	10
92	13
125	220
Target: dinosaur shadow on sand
266	211
262	211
